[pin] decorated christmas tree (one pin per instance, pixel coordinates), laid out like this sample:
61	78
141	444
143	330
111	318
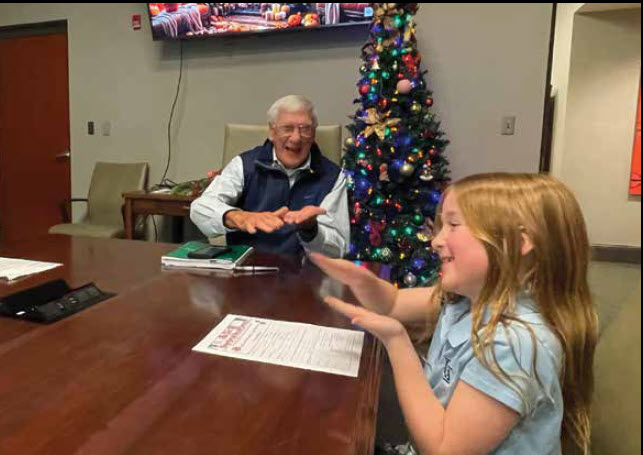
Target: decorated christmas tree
394	160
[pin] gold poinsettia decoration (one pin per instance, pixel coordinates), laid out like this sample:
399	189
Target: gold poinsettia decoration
377	123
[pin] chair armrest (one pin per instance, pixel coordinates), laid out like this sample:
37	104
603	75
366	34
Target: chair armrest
65	207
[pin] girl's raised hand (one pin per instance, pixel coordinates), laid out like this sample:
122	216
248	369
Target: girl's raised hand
383	327
373	293
347	272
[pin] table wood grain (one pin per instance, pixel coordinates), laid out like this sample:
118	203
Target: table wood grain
120	377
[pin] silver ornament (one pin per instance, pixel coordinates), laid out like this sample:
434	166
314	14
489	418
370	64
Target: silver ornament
386	254
410	280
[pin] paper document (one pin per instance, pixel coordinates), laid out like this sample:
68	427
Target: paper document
15	268
306	346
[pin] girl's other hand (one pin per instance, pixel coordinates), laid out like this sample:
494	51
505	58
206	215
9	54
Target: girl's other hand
386	329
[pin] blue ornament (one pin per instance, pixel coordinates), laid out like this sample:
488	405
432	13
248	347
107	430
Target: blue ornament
397	164
403	141
436	197
394	170
361	188
418	264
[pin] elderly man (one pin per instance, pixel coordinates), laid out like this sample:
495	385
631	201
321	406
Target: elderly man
282	197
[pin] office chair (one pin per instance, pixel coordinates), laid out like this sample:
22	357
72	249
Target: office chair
104	217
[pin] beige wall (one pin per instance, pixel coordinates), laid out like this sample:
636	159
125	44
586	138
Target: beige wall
484	60
593	142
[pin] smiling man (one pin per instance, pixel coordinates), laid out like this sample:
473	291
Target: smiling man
282	197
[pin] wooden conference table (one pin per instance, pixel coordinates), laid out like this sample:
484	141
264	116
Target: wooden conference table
120	377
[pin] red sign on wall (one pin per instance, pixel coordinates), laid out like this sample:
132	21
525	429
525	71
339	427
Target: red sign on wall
136	21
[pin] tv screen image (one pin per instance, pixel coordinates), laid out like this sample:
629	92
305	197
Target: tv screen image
201	20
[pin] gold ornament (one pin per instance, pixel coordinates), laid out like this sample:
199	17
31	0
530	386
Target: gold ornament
423	237
409	31
407	169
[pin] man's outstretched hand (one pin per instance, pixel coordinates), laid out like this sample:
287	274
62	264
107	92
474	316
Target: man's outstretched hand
251	222
306	218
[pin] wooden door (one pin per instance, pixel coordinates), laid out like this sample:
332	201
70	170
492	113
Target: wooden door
34	134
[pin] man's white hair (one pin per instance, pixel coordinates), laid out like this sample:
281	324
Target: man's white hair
292	103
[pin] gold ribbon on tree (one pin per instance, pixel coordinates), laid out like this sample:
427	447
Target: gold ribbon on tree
387	9
377	123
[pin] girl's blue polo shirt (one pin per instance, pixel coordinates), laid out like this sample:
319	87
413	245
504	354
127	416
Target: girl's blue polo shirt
536	397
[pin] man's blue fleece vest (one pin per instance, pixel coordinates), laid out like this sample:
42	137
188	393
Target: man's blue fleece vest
266	189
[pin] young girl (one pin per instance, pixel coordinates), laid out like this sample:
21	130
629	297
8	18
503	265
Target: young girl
509	370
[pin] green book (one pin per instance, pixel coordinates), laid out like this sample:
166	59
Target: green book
229	260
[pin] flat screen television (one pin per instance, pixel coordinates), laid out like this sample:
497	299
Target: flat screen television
171	21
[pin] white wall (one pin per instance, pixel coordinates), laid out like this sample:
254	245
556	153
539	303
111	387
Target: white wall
565	14
595	120
484	61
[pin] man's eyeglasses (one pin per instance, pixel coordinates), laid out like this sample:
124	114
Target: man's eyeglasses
306	131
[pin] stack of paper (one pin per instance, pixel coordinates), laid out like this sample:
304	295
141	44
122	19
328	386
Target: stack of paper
227	261
15	268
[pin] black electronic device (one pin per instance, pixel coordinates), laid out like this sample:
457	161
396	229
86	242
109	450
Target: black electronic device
51	301
209	252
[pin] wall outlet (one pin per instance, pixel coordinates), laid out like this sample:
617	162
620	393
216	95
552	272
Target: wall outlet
106	128
508	127
90	128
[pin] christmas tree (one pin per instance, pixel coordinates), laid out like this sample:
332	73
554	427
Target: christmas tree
394	160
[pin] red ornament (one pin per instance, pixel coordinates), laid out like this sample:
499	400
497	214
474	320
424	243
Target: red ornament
383	104
429	101
375	236
364	89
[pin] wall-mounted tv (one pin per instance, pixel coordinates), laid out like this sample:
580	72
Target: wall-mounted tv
203	20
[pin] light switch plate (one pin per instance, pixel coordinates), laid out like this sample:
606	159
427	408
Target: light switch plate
106	128
508	127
